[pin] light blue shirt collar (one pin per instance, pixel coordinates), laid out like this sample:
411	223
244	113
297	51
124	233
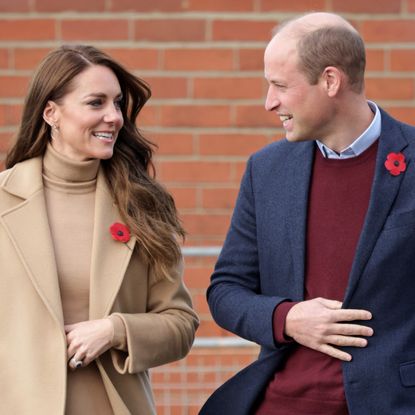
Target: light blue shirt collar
362	143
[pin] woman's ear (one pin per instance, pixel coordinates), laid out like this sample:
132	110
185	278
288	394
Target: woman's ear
50	114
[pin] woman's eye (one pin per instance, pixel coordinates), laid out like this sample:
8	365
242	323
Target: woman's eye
118	103
95	103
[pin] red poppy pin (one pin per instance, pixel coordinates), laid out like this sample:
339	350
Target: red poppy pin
120	232
395	163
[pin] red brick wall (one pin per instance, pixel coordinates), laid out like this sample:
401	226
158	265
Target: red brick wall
203	59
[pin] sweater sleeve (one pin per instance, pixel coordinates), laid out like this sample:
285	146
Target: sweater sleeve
278	322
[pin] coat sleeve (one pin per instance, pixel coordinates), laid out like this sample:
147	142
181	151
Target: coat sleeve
234	296
164	333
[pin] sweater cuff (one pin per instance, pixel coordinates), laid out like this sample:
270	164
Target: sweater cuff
119	339
278	321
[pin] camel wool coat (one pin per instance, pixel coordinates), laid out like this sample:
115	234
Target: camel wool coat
160	323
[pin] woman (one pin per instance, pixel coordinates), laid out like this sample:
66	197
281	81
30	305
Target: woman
90	266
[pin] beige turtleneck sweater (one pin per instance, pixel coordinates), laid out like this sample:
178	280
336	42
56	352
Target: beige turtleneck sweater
70	200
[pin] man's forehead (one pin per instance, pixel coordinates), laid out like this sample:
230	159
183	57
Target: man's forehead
282	47
279	62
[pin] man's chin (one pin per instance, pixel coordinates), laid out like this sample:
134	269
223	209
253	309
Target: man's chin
298	137
294	138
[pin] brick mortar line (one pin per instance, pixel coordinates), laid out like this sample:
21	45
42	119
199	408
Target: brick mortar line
157	45
202	239
199	236
391	74
214	130
209	186
164	73
176	388
191	45
206	369
195	101
250	74
170	369
234	103
201	158
207	74
137	43
268	132
257	102
184	15
11	101
212	213
238	74
195	368
185	102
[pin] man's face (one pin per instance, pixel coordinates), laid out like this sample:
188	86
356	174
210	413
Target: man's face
303	109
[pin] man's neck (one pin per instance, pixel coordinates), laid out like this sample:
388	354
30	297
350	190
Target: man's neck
352	120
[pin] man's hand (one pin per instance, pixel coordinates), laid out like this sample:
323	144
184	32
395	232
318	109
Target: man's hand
319	324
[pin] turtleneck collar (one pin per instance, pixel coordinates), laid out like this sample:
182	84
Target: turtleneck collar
58	167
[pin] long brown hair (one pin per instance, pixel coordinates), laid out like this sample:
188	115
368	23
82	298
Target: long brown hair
146	207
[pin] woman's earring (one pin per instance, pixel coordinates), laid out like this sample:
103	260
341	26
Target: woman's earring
54	130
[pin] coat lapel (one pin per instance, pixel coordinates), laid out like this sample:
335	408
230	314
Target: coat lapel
297	201
28	228
110	258
384	191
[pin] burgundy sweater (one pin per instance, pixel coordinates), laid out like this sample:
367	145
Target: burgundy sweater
312	382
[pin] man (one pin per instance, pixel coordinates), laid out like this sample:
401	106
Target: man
318	266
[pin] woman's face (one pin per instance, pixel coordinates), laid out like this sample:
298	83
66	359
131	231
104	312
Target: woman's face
88	118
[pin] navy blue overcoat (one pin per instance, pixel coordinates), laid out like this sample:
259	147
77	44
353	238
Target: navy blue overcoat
262	264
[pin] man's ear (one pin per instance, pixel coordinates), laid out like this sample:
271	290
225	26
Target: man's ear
332	79
50	113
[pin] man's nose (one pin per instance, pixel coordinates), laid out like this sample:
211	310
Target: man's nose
271	102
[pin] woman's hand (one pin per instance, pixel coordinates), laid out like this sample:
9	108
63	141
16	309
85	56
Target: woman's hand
87	340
